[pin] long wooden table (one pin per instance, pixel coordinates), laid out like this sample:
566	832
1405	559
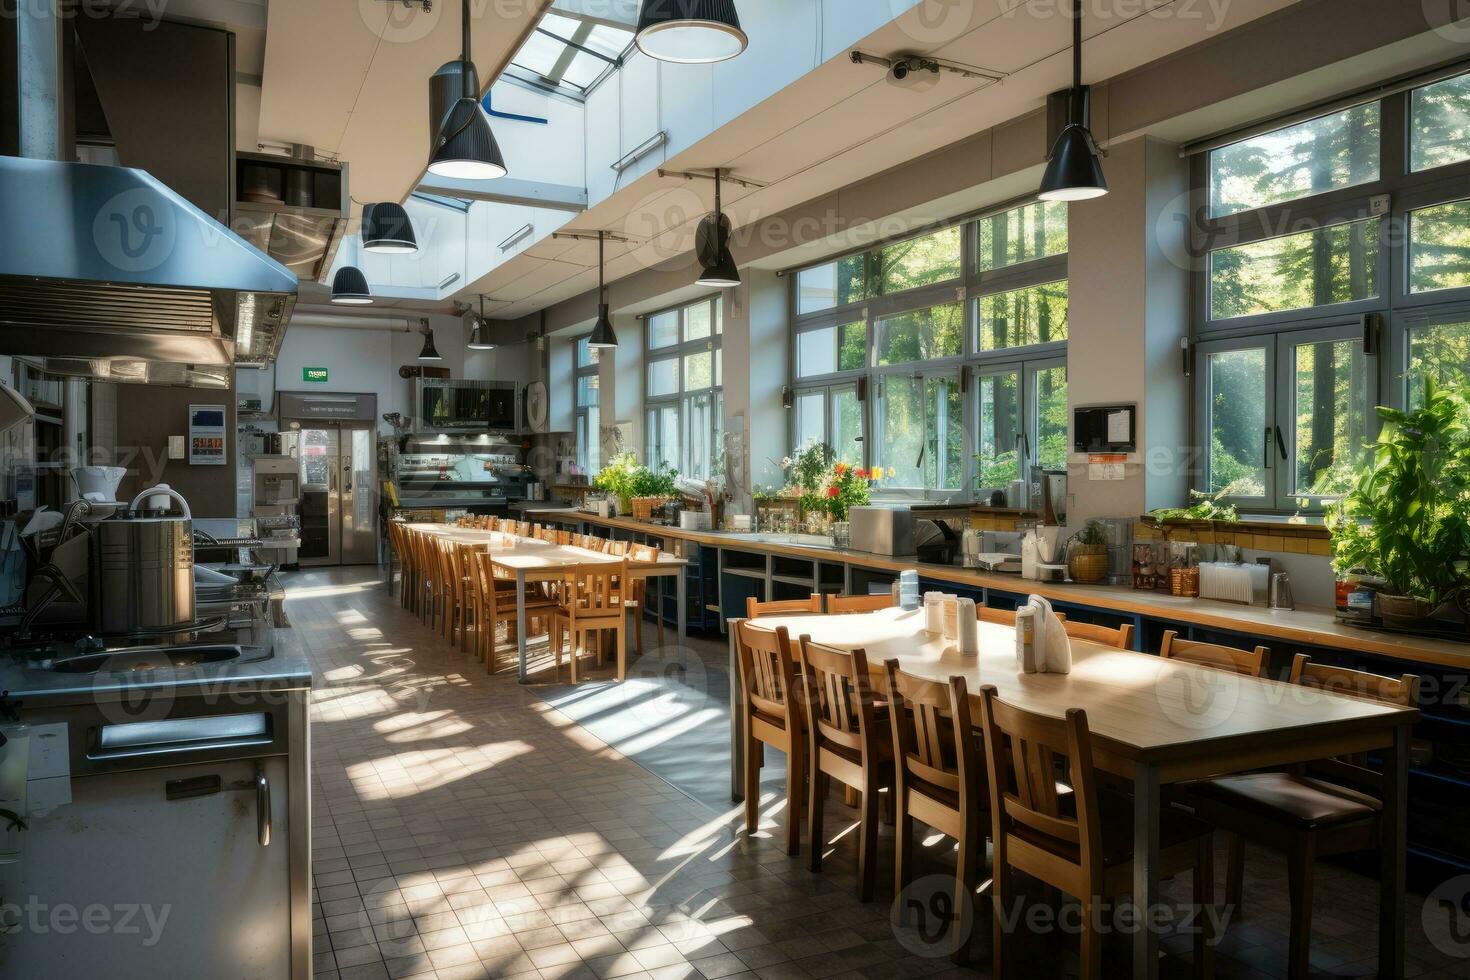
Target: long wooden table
1153	721
533	560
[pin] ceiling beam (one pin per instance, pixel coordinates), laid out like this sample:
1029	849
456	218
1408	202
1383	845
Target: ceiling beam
508	190
610	13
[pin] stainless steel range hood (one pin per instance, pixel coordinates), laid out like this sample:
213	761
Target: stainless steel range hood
110	274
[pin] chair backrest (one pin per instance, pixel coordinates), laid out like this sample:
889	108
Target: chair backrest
617	548
1003	617
596	589
1122	637
563	537
839	695
523	528
768	668
933	736
1402	691
643	552
860	603
1022	753
1248	662
779	607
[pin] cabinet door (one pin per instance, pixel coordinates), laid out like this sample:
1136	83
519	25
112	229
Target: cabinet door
126	883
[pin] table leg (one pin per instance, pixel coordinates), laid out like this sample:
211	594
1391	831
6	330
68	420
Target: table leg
1145	870
680	588
1393	830
521	623
737	736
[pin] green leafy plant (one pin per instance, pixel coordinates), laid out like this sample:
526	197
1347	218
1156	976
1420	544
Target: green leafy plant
617	475
653	483
1206	507
843	488
1092	535
1407	518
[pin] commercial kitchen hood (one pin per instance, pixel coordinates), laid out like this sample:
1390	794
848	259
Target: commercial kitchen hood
107	273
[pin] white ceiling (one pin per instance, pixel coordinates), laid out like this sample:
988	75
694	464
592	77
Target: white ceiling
843	122
351	78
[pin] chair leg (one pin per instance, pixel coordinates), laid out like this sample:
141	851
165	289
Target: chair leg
795	783
817	794
752	783
868	842
1204	903
1235	875
903	852
968	865
1000	895
1089	966
1299	870
622	642
638	628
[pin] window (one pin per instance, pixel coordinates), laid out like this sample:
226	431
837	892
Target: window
682	395
588	413
568	54
1298	335
909	322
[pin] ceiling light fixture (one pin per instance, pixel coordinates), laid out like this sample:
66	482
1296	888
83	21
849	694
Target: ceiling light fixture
480	330
690	32
429	352
712	247
386	228
602	336
350	287
466	147
1073	172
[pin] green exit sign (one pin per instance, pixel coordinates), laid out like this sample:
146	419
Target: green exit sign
314	375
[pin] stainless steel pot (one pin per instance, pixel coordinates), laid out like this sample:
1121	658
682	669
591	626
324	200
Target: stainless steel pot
143	573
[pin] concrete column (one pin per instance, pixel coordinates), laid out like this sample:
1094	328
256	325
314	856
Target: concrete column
1129	308
621	379
756	345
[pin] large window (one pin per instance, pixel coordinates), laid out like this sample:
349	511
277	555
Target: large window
1335	277
683	398
949	348
589	409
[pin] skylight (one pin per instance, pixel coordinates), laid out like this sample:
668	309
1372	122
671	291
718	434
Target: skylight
569	55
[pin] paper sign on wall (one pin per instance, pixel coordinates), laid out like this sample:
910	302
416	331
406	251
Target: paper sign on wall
206	435
1106	466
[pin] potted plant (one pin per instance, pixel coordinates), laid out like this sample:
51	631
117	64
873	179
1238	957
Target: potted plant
1407	518
843	487
1087	554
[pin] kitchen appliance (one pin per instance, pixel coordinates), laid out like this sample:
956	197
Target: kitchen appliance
83	301
294	210
142	571
333	438
101	481
1041	553
276	495
448	405
882	530
1232	582
1281	597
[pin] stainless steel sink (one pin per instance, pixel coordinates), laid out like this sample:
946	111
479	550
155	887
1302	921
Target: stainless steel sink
143	659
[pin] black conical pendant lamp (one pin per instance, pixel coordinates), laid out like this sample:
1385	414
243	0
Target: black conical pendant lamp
1073	171
602	332
466	147
712	247
690	32
429	351
350	287
387	228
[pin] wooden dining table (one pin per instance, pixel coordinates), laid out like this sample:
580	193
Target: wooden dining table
533	560
1154	722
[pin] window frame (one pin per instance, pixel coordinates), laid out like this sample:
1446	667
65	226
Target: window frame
682	397
1396	193
582	414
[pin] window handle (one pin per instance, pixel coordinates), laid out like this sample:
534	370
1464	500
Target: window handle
1280	442
1266	449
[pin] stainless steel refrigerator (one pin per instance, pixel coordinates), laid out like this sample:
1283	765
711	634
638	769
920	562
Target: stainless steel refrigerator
339	475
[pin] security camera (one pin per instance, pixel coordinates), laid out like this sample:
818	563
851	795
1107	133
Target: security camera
913	73
900	70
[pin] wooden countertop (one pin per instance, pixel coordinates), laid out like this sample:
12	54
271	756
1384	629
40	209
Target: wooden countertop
1308	625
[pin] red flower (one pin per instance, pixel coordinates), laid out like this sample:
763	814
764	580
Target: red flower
840	469
861	474
832	491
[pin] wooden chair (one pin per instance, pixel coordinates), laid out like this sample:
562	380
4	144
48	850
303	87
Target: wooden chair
592	601
848	743
1085	849
398	538
939	782
1251	663
619	548
497	596
1122	637
860	603
773	716
782	607
1319	810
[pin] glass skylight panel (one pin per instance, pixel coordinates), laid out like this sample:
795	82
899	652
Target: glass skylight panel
570	54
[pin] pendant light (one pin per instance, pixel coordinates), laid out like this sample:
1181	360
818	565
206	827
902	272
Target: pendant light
429	352
602	332
480	330
690	32
1073	172
712	247
387	228
466	147
350	287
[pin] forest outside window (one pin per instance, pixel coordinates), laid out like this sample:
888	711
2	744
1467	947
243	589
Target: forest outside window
588	413
683	396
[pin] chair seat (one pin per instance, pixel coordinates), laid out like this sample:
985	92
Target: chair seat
1300	801
1117	831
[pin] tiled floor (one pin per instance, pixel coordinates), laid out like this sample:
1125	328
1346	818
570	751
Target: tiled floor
463	828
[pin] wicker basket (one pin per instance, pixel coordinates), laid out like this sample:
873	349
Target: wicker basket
1087	565
1184	581
643	507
